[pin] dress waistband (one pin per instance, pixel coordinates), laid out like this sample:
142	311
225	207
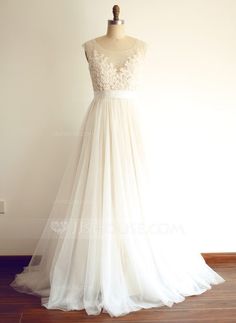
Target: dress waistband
116	93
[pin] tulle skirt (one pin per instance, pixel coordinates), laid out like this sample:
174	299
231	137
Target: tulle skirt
98	250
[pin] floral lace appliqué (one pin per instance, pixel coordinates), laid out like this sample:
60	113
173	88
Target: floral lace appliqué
106	75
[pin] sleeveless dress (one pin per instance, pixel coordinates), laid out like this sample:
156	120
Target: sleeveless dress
95	252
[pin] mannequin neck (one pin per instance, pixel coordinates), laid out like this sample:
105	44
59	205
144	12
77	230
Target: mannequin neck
115	31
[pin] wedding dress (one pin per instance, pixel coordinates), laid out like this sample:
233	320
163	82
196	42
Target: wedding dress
97	251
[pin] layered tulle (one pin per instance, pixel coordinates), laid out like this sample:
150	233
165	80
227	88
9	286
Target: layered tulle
97	251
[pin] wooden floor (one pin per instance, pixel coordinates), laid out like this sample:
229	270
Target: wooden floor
217	305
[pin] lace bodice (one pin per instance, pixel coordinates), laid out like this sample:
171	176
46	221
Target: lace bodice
115	70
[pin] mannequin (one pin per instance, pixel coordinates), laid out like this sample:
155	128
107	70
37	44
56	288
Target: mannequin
115	38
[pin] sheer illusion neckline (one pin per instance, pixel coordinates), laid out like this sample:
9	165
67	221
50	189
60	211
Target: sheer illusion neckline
116	51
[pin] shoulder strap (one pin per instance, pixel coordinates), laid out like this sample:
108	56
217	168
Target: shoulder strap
88	46
143	47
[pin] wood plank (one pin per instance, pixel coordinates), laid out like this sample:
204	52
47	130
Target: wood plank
216	305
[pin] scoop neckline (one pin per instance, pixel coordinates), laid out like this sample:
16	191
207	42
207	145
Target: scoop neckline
111	50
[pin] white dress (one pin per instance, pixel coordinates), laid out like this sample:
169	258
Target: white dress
95	252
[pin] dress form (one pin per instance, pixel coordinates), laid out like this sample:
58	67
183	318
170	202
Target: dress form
116	42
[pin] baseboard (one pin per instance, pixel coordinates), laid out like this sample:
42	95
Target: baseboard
215	257
15	260
220	257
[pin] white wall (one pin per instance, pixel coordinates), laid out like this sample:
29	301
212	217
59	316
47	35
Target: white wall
190	109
